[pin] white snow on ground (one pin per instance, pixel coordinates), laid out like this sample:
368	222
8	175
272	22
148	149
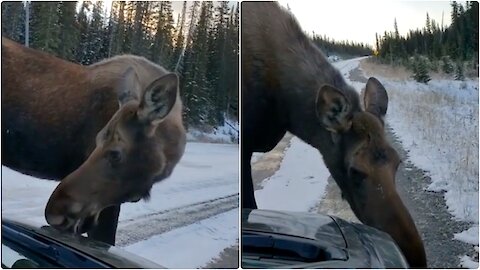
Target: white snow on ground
256	157
348	65
191	246
299	184
467	262
468	236
228	133
206	171
24	198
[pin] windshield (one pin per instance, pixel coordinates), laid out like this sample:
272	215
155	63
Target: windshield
14	256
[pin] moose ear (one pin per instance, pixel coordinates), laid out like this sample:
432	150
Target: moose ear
159	99
128	86
375	98
333	109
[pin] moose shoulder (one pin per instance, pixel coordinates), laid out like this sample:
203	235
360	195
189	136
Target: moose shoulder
289	85
108	131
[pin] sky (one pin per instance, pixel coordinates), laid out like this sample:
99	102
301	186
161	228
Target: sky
360	20
356	20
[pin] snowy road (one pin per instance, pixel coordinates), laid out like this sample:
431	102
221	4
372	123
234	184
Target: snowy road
302	183
193	214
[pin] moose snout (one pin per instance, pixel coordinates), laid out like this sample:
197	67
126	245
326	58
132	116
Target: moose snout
66	214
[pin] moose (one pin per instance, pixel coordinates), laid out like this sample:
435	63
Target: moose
288	85
107	131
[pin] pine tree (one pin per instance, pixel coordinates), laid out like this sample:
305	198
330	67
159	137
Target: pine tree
231	106
45	30
83	28
69	33
13	20
118	28
162	48
197	87
459	41
138	40
180	38
447	66
217	66
420	71
128	24
459	73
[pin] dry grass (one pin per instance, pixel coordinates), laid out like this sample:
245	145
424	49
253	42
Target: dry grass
453	133
386	71
402	73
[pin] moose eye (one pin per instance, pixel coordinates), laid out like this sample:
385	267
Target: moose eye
114	157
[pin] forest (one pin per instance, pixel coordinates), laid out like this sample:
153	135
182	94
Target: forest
345	49
451	49
200	44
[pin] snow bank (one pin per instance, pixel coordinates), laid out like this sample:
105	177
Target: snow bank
228	133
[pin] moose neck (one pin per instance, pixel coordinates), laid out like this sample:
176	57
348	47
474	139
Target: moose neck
302	71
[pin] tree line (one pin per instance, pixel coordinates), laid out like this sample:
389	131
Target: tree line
341	48
201	46
435	46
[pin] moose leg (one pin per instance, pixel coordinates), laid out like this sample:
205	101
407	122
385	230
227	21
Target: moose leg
106	227
248	194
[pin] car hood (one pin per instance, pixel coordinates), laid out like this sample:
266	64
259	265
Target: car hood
304	225
342	243
103	252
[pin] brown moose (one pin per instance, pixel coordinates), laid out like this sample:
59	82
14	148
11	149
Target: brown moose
108	131
288	85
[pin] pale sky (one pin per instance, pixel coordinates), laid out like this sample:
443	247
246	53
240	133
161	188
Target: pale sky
359	20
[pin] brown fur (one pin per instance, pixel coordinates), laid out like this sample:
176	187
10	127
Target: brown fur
288	85
52	111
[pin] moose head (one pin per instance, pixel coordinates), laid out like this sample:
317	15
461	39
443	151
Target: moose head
127	160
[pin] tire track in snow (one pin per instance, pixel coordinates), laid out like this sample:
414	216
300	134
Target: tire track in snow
141	228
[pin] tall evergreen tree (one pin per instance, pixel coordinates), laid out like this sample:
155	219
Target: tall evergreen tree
420	71
13	20
197	87
69	33
45	29
180	38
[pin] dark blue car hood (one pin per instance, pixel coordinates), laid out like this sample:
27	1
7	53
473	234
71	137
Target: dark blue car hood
277	239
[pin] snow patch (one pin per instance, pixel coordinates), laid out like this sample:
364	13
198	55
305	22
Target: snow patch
467	262
191	246
469	236
228	133
299	184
